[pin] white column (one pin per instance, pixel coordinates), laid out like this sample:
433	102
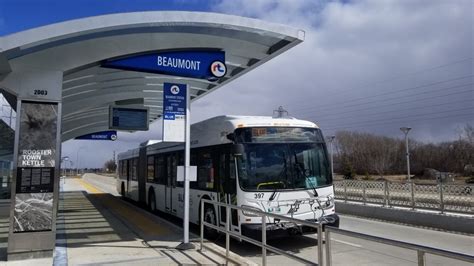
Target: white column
187	155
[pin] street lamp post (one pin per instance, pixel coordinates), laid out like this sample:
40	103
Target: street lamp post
77	160
64	159
331	140
406	130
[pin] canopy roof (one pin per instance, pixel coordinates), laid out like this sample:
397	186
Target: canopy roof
78	47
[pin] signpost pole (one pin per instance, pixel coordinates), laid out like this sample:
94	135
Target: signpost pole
187	154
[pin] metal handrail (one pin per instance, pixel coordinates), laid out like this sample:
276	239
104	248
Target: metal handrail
421	250
263	243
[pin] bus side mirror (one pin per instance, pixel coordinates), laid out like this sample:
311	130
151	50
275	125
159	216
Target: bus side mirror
231	136
238	149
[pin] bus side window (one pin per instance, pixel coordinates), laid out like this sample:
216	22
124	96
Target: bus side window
134	169
150	168
123	170
120	169
130	172
160	170
205	175
232	175
171	170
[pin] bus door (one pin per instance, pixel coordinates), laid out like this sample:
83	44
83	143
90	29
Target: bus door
129	176
170	184
142	172
227	189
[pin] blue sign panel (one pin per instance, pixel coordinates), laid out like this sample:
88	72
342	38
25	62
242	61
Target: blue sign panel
174	100
102	135
196	64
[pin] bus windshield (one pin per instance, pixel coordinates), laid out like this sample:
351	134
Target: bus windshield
271	166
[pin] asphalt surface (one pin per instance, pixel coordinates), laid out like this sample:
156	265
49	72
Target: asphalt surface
347	250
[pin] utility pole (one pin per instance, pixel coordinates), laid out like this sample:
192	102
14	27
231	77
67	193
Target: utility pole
405	130
331	140
280	112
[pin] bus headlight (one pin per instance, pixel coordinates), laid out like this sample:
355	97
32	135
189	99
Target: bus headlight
329	203
249	212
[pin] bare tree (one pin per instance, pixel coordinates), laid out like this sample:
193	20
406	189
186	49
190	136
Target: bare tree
110	165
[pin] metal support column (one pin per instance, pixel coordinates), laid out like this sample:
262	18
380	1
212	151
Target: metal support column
187	155
320	244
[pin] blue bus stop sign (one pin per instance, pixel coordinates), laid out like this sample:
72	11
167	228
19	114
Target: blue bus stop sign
102	135
208	65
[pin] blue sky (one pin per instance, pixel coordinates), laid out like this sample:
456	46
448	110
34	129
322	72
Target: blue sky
19	15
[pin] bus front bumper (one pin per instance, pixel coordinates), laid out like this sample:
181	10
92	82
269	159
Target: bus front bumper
285	229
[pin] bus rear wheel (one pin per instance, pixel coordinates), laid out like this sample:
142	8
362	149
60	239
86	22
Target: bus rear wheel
152	202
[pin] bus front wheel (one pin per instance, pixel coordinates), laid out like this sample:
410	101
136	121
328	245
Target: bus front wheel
211	218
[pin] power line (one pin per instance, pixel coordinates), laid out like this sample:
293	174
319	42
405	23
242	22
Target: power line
391	121
391	92
416	115
398	110
400	97
384	100
400	76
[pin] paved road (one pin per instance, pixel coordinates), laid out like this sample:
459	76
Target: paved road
350	251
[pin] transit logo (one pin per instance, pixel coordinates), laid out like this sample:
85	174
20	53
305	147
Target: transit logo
218	69
174	89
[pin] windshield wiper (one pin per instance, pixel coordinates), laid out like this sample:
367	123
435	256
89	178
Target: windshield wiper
272	197
307	177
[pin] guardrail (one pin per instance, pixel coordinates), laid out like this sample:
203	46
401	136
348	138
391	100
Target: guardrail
420	250
263	244
441	197
322	239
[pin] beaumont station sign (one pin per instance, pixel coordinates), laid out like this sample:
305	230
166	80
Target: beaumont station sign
206	64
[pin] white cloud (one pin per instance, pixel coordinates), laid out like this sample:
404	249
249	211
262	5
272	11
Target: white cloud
355	50
362	67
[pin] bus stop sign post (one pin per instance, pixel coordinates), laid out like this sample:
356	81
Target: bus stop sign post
187	154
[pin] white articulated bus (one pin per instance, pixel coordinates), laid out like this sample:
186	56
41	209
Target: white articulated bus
276	165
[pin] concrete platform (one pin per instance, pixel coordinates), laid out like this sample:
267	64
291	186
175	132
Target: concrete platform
97	228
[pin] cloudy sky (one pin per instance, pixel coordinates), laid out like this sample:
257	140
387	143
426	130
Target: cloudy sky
370	66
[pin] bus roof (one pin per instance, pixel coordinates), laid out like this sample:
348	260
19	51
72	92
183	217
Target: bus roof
237	121
214	131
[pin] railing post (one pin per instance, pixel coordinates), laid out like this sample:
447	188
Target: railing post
264	240
364	196
327	237
421	258
202	224
388	193
385	193
441	197
227	230
320	243
345	190
412	189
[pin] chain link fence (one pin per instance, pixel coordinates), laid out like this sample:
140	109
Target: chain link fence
441	197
